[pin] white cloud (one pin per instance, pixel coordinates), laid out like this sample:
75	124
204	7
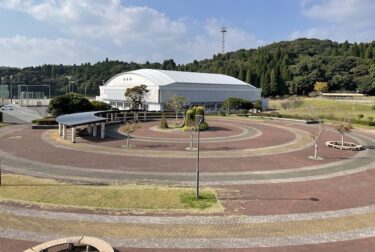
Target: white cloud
208	41
122	32
22	51
340	20
102	19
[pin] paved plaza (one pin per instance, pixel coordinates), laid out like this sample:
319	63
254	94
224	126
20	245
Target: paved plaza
275	198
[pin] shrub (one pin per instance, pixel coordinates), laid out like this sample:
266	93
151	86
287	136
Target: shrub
203	126
45	121
221	113
68	104
370	118
199	110
360	116
100	105
373	107
190	116
194	109
237	103
163	122
258	105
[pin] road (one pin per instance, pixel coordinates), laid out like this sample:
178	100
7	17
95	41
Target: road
23	114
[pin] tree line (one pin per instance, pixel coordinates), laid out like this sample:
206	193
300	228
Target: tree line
282	68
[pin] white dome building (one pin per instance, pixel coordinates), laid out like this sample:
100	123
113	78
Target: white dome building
205	89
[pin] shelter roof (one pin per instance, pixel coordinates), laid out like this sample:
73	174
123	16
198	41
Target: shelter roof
83	118
166	77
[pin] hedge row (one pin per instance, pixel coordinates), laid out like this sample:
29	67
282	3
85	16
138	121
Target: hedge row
45	121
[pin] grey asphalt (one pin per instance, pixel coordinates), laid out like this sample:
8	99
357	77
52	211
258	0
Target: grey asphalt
21	115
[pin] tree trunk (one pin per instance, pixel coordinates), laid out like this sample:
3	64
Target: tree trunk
183	120
191	140
127	140
176	115
316	149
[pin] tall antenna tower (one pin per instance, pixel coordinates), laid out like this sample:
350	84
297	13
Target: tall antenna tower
223	31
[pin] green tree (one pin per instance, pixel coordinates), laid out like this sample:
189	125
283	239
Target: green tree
321	86
130	128
68	104
274	85
343	128
177	103
136	96
163	122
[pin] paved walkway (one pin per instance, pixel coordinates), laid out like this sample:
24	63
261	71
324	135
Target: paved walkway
328	205
193	232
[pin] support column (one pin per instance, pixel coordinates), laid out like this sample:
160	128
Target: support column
73	134
144	116
64	131
124	116
102	130
94	132
112	117
115	117
60	129
89	129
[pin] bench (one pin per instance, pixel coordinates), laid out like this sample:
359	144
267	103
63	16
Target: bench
338	145
96	243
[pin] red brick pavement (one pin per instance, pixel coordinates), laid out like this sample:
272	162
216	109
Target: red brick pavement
32	147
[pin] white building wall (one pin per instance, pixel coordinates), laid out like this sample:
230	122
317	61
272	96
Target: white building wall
197	93
119	84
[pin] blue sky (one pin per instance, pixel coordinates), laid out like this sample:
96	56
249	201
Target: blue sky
35	32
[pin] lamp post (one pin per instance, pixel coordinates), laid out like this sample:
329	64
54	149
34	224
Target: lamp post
11	88
2	90
198	119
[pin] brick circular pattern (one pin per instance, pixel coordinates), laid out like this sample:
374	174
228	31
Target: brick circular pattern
274	195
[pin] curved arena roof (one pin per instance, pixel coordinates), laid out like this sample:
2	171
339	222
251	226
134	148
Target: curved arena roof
165	77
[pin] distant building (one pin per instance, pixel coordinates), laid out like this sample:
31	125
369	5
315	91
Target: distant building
205	89
343	96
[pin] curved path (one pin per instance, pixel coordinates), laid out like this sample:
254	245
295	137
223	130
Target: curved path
274	196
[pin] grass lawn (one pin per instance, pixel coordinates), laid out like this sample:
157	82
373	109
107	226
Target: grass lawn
2	124
32	190
327	108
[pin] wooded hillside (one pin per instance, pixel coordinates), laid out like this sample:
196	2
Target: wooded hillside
287	67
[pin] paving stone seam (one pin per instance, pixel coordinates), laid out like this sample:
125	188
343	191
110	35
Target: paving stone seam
172	181
213	243
301	141
7	156
246	131
243	242
186	220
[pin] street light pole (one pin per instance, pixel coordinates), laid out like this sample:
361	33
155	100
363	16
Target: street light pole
2	90
11	87
198	119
